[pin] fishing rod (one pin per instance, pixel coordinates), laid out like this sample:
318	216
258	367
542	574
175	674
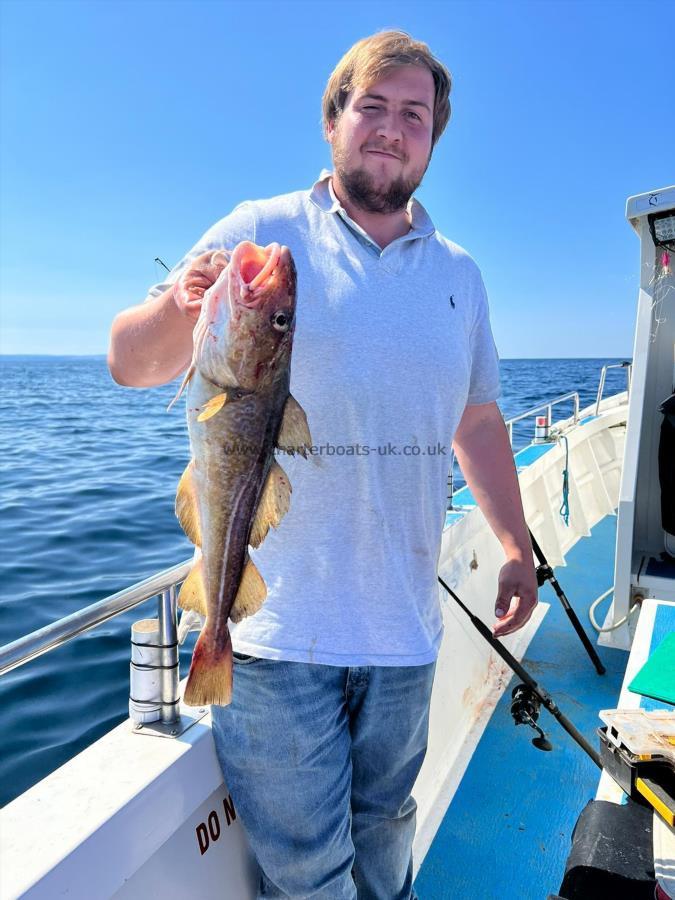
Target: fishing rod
525	708
545	573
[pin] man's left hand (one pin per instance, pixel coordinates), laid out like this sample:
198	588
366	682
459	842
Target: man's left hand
516	596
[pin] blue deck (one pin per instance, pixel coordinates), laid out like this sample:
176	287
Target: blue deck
507	833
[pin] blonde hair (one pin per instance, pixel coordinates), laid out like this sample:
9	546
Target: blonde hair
374	57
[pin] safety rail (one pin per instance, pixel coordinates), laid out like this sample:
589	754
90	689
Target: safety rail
601	387
548	406
161	585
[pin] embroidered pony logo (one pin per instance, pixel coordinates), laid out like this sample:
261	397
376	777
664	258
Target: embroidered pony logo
452	300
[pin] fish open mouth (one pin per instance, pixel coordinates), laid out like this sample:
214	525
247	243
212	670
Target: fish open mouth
256	265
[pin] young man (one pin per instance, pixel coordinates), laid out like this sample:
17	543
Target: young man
327	730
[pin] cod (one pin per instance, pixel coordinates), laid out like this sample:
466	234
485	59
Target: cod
239	411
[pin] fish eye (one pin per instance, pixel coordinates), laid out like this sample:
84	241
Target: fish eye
281	321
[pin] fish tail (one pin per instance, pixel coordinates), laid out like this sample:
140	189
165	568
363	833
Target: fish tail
210	678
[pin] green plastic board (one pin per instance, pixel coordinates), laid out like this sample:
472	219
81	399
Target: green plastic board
656	678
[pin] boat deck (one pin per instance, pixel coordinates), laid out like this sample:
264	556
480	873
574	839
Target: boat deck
507	832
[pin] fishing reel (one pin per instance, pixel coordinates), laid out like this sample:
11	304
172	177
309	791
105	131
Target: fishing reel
525	711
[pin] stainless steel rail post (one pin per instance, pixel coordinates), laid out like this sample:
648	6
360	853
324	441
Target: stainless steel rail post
168	638
603	372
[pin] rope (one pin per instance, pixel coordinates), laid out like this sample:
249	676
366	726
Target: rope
565	505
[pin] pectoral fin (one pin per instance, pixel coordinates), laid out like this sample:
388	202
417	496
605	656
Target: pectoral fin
251	594
274	502
187	511
294	436
193	592
213	406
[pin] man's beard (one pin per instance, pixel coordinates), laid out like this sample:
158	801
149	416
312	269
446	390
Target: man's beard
361	187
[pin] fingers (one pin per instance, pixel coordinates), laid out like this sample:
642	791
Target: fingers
518	613
189	293
200	275
210	265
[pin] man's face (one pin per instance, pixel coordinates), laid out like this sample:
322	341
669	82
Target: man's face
382	140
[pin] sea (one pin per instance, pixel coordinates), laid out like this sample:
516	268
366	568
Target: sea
89	473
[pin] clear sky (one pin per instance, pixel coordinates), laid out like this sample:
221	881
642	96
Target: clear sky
128	128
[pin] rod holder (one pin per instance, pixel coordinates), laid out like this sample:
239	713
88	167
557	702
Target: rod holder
169	674
144	672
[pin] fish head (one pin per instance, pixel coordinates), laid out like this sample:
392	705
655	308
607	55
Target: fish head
244	335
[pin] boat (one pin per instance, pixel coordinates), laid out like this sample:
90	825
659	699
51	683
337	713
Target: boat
502	810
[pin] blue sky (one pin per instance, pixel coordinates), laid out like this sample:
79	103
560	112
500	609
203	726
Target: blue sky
128	128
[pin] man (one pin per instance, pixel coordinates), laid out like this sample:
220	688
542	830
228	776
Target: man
327	730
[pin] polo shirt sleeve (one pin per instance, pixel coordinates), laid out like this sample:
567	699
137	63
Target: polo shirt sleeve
484	385
231	230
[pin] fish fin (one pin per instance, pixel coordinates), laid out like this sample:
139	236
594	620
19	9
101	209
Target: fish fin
187	510
212	406
193	592
210	678
251	594
294	436
273	506
188	375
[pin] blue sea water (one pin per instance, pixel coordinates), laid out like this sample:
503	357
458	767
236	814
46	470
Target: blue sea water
89	472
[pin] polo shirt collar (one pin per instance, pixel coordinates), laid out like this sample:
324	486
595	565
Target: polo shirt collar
323	196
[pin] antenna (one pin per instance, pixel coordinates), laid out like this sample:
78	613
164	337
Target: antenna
162	263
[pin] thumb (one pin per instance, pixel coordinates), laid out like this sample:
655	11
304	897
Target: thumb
216	262
502	604
210	264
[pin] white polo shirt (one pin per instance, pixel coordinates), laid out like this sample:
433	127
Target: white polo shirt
390	346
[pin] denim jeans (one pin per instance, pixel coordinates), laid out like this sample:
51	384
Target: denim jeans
320	762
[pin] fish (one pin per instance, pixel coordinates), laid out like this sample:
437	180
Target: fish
239	411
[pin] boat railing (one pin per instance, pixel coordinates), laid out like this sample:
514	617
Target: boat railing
601	387
161	585
548	407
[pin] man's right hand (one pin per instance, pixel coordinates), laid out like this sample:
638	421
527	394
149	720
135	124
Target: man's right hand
203	271
151	343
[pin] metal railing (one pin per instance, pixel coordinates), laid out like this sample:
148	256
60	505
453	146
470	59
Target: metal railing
548	406
601	387
161	585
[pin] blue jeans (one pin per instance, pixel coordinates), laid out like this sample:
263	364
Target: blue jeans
320	762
